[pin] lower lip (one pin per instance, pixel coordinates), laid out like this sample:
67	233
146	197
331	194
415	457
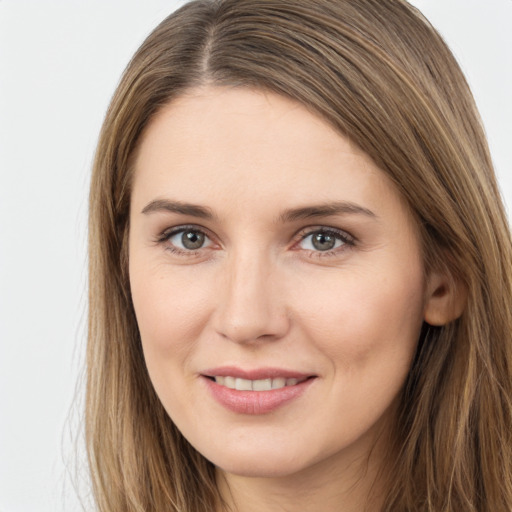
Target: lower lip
255	402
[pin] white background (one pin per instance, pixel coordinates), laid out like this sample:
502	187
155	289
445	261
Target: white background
59	64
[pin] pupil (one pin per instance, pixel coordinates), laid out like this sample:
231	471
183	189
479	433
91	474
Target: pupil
323	242
192	240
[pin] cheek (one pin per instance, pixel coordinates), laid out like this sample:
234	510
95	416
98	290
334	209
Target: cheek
359	318
171	313
171	310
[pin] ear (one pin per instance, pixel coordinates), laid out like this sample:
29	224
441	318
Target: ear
445	299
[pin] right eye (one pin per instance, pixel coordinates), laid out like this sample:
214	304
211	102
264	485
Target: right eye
185	239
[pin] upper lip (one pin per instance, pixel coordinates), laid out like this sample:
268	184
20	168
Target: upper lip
255	374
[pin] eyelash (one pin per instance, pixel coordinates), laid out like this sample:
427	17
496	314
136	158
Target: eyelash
347	240
166	235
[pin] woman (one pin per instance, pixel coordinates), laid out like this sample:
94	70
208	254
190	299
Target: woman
300	278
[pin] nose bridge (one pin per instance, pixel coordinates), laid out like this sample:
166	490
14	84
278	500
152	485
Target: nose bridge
250	306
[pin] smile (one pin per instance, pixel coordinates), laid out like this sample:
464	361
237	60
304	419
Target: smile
256	385
254	392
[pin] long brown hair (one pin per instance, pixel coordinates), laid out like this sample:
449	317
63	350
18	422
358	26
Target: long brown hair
381	75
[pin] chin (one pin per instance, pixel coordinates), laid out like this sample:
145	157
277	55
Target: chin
259	469
259	465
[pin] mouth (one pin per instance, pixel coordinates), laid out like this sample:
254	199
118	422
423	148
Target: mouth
254	392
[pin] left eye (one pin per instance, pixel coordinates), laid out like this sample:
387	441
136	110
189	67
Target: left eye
322	241
189	239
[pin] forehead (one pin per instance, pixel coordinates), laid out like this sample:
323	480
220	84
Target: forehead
257	148
246	120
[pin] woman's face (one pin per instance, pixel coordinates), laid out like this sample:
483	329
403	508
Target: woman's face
270	255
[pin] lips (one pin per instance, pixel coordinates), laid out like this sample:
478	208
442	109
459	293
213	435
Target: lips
257	391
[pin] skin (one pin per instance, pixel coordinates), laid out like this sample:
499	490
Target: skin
258	293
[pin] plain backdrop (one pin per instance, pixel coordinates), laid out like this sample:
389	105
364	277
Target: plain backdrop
59	64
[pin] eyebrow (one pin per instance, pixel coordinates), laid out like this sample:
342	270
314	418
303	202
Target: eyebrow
325	210
194	210
294	214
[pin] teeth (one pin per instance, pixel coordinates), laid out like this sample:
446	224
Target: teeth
278	383
262	385
255	385
229	382
243	385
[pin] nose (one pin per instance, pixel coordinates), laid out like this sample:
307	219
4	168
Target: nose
251	305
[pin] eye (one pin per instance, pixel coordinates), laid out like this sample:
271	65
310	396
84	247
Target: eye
325	240
185	239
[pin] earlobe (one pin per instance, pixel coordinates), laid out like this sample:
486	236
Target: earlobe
445	299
